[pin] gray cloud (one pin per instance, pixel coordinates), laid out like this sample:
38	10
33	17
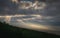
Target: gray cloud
7	6
51	13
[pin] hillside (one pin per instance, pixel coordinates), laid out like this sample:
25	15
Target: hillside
8	31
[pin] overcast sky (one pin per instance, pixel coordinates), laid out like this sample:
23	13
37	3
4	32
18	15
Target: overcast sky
52	9
51	12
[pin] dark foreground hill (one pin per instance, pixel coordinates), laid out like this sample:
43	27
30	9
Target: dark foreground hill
8	31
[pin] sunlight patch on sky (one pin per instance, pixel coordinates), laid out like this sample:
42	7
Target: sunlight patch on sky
33	26
8	17
30	5
16	1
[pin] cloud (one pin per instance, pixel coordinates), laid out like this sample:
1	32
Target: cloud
50	14
6	6
11	7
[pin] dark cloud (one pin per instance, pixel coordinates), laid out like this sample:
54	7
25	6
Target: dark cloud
12	8
7	6
52	9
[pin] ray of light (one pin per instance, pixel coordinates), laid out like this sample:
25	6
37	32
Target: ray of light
34	26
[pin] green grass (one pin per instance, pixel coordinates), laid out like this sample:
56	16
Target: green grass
8	31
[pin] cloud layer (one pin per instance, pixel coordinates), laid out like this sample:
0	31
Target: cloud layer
50	14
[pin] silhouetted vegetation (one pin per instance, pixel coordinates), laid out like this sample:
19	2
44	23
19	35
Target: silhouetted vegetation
8	31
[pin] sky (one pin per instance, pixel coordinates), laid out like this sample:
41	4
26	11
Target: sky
49	11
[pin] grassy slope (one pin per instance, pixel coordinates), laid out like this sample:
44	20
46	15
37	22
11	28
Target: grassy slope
8	31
